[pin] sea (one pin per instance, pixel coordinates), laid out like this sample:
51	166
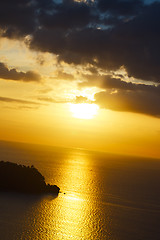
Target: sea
103	196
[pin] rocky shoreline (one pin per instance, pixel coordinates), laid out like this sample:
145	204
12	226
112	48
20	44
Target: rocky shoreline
24	179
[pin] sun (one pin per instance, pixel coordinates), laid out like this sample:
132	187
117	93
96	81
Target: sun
84	110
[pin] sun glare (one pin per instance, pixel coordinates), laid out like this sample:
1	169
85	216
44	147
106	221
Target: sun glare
84	110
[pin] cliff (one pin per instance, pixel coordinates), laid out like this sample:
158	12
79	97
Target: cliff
25	179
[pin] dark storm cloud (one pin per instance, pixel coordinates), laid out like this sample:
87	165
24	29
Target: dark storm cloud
47	40
80	32
121	7
14	75
104	34
133	44
17	17
138	44
68	15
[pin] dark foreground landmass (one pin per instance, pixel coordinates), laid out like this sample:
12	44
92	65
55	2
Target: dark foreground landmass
19	178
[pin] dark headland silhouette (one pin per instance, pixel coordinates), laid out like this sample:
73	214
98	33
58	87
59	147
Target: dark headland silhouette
24	179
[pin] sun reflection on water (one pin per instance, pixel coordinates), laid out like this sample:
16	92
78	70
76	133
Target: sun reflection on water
74	214
74	205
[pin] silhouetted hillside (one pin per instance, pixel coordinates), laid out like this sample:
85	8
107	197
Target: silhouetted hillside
19	178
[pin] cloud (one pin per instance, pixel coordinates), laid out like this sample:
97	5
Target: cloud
102	34
133	43
14	100
108	34
121	7
119	95
63	75
47	99
81	99
17	18
45	90
130	101
51	100
14	75
78	99
114	83
68	15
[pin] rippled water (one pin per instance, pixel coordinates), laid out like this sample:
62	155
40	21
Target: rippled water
102	196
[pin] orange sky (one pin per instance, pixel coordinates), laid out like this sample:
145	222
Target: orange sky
40	112
37	107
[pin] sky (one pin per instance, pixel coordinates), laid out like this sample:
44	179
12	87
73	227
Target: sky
82	74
